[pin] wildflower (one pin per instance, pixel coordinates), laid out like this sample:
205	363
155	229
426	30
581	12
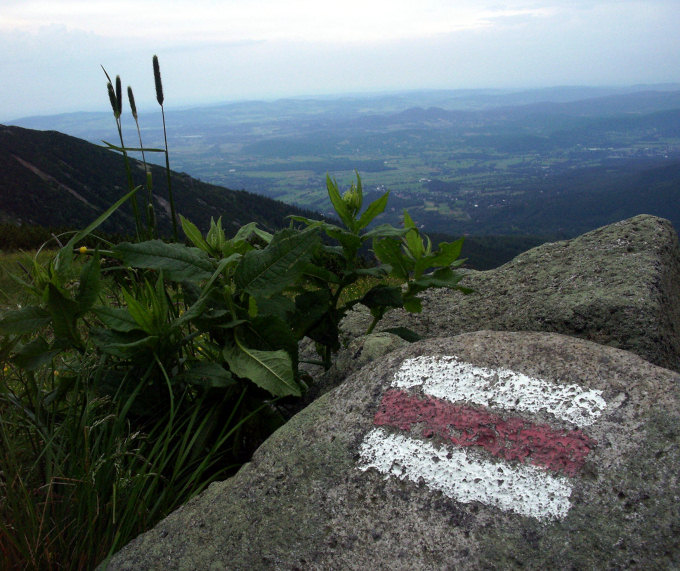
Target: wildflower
83	249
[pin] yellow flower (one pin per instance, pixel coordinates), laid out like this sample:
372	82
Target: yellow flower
83	249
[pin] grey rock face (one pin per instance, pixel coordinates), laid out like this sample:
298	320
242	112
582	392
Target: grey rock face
567	457
618	285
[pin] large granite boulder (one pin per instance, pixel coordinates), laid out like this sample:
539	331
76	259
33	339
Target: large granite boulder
485	450
618	285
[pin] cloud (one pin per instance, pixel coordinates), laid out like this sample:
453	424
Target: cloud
218	50
304	20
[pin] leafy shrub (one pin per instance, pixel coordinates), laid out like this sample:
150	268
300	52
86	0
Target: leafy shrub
144	370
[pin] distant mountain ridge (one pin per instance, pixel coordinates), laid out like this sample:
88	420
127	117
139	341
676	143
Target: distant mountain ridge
344	111
51	179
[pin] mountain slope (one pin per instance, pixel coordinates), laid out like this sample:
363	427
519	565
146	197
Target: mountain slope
51	179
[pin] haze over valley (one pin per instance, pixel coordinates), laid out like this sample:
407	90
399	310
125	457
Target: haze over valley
551	162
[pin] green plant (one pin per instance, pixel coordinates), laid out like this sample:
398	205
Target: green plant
137	373
402	254
79	481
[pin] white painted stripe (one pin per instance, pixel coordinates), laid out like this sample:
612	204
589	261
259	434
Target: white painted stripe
522	489
453	380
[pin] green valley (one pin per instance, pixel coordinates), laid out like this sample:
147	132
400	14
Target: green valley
553	162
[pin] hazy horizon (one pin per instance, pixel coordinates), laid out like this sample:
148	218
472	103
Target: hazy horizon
549	90
214	52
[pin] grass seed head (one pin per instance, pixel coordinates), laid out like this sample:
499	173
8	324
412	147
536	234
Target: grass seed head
113	100
133	107
119	95
157	79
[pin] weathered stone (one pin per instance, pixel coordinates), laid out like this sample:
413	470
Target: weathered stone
618	286
313	496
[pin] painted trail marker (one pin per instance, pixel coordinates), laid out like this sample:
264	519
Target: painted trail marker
504	460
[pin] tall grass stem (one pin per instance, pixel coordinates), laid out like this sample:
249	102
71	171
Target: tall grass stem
160	99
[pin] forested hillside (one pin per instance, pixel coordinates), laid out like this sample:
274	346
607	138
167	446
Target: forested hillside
51	179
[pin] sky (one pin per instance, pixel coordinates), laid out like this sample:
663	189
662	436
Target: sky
51	51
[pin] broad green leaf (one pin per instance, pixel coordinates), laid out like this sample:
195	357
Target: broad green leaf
208	375
32	287
350	242
116	318
177	261
383	296
377	272
376	207
124	345
265	272
277	306
139	313
271	333
446	255
314	271
24	320
215	236
414	242
193	234
310	307
326	332
408	221
339	204
202	298
196	310
307	221
34	355
250	229
225	323
270	370
413	305
64	312
385	231
90	284
443	277
389	252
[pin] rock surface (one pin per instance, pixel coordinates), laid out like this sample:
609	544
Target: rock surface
571	462
618	285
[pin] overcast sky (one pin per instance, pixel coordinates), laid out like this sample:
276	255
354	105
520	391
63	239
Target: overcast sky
224	50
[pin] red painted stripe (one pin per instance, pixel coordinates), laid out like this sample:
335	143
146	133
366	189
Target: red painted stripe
512	438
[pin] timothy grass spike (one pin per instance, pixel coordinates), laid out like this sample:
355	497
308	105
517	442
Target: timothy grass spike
133	107
157	79
159	97
119	95
112	99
